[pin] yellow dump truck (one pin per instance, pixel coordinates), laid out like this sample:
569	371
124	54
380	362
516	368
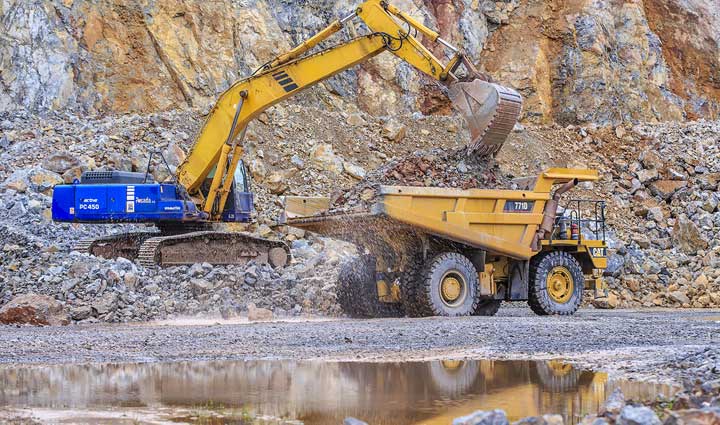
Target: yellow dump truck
447	252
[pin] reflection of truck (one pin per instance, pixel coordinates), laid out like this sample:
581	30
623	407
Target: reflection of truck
319	393
436	251
210	186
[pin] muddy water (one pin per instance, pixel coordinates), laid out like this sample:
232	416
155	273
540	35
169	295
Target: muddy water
312	393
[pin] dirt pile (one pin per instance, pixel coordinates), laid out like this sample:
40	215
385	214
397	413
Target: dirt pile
453	168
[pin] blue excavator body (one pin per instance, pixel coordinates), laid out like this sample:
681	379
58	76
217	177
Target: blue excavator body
121	197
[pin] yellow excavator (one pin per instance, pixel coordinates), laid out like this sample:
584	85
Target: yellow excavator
211	185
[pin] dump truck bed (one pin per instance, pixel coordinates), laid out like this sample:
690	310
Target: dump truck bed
502	222
498	221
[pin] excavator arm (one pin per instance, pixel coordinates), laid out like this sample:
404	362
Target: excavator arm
217	149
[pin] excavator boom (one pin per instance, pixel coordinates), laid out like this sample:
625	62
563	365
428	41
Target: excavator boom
489	109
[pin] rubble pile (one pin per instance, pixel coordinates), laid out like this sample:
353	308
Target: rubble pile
660	182
37	153
453	168
119	290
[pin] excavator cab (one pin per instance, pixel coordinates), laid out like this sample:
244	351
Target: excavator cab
241	202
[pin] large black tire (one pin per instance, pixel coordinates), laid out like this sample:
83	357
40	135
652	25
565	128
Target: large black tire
454	378
426	296
557	377
487	307
357	291
544	300
410	285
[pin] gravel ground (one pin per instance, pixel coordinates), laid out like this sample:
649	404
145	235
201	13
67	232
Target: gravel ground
658	345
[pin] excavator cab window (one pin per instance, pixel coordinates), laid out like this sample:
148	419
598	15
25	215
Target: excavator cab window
240	203
242	179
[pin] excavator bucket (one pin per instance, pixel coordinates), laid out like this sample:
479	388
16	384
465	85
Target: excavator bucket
490	111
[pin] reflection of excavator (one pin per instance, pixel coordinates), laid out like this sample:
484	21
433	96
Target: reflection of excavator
212	174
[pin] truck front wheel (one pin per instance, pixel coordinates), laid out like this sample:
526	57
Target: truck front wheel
447	286
556	284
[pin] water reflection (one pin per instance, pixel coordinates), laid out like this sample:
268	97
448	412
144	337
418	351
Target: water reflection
321	392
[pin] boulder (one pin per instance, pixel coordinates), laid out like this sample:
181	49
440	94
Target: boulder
174	155
34	309
614	403
296	161
687	237
355	120
106	304
257	169
324	158
35	179
650	159
256	314
393	130
541	420
81	312
679	297
200	286
647	175
481	417
354	171
17	181
74	173
637	416
705	416
60	163
607	303
276	183
666	188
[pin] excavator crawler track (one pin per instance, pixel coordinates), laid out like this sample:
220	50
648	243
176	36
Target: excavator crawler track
212	247
126	245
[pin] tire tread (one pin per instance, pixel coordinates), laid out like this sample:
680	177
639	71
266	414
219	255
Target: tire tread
540	267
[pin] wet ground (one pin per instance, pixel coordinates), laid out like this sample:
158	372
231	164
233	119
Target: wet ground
628	343
308	392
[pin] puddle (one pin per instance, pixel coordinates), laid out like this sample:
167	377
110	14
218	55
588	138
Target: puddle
711	318
311	393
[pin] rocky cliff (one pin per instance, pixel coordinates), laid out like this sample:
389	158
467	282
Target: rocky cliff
576	61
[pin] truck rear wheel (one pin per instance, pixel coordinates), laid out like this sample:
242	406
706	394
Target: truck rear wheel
556	284
357	291
447	286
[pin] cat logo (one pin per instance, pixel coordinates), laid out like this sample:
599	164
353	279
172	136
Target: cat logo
285	81
598	252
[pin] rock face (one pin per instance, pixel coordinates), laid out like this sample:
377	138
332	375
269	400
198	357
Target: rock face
33	309
574	60
604	62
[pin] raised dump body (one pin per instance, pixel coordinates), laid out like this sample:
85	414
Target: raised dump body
438	251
